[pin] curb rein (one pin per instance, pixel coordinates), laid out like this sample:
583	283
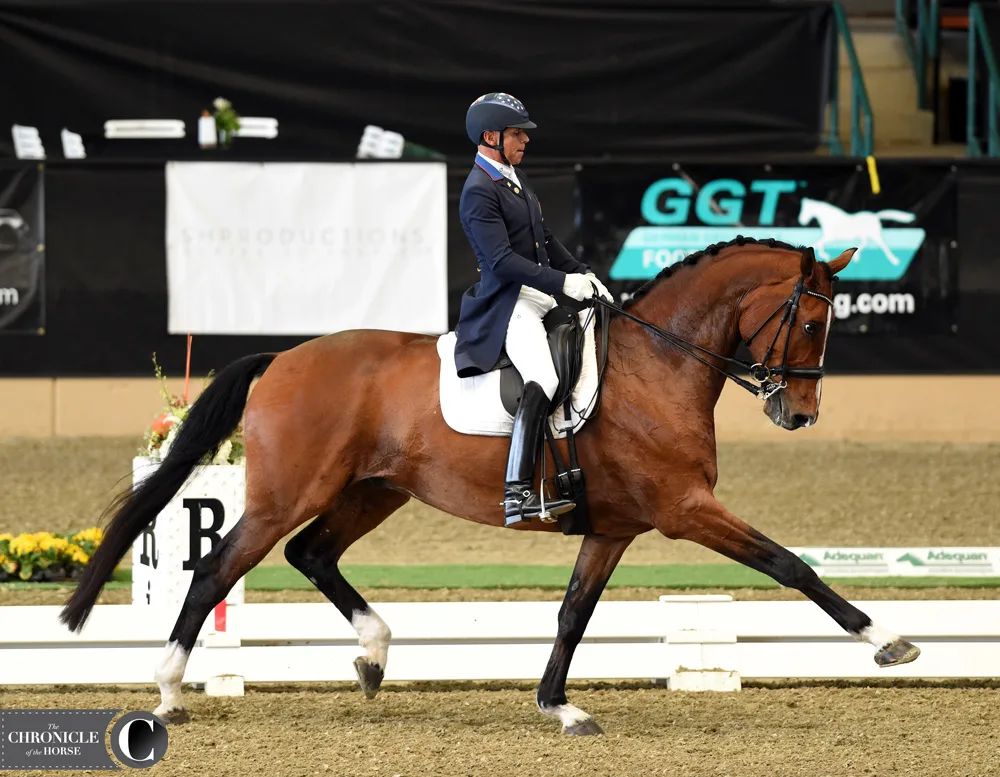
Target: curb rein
764	375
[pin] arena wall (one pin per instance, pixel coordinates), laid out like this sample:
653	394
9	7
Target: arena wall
860	408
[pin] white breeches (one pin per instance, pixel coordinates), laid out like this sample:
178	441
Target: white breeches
527	344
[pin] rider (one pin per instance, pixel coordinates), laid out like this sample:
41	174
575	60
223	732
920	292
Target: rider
522	264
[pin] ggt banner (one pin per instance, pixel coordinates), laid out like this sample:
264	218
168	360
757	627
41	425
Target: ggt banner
636	220
22	249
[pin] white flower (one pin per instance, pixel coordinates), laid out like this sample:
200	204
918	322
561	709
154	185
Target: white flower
221	103
222	457
165	445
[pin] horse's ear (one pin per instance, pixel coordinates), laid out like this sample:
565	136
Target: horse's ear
841	261
808	262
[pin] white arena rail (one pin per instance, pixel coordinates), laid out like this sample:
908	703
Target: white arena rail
690	642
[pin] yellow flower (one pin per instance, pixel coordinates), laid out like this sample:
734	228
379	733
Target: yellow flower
94	534
45	543
6	537
78	555
60	544
23	544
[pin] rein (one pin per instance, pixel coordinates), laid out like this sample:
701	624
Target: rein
764	375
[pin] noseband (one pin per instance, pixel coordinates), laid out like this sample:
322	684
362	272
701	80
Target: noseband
769	379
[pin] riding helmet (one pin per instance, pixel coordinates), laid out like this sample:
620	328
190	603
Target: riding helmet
495	111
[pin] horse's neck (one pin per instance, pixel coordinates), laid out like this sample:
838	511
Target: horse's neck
700	304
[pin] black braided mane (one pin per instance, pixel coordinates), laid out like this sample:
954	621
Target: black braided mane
712	250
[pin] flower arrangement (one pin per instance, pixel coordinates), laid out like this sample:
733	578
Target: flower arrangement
227	121
47	557
160	435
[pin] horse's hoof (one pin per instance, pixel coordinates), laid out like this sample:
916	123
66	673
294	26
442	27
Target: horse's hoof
174	717
583	728
895	653
370	676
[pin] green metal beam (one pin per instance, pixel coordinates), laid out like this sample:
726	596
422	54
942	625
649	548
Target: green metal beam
862	127
978	39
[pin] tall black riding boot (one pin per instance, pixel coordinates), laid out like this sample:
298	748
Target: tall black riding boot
521	502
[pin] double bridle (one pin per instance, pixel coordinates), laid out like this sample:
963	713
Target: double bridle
770	379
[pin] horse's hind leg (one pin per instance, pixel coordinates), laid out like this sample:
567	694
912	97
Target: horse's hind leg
708	523
214	575
316	551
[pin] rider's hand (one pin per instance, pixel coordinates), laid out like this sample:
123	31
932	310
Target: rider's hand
578	286
601	288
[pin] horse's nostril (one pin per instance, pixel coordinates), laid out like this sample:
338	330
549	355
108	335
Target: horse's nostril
800	419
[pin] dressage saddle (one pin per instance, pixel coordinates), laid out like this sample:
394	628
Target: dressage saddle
565	337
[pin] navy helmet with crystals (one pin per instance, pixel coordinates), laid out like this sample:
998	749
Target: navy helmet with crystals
495	111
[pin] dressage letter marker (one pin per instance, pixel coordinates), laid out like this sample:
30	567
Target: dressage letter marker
165	554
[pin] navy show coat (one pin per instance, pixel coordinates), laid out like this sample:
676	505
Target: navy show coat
514	247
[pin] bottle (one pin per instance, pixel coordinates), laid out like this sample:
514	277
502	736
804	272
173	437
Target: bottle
207	137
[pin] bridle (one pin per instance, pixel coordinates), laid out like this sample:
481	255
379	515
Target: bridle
769	379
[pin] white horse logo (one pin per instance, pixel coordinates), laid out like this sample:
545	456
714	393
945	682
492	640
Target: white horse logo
839	225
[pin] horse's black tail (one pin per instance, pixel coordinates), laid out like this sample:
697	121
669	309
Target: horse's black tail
212	418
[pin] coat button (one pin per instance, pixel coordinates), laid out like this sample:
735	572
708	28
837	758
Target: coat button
536	244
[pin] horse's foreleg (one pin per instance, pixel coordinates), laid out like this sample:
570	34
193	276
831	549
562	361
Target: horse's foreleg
316	551
705	521
597	560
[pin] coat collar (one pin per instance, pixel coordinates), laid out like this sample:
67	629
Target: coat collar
487	166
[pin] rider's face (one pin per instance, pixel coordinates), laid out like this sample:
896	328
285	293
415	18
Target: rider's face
514	141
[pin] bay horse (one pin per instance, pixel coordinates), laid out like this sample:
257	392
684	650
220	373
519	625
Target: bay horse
345	428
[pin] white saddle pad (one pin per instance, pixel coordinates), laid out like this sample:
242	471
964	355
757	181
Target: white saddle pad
473	405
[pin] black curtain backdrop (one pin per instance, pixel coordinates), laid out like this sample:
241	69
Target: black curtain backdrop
601	79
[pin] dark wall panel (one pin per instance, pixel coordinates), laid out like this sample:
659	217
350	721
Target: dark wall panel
106	304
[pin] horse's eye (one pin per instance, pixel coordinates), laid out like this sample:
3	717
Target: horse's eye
811	328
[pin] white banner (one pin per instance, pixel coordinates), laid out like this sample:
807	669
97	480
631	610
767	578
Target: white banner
902	562
306	249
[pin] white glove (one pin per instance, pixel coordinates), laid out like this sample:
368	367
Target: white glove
578	286
601	288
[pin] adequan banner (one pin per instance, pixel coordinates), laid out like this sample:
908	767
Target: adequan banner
902	562
636	220
306	249
22	249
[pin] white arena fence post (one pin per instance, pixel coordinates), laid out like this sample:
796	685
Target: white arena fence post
701	653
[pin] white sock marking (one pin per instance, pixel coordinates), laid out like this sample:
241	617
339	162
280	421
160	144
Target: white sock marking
168	676
877	636
567	714
373	635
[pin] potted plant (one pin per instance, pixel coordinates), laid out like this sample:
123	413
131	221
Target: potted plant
227	121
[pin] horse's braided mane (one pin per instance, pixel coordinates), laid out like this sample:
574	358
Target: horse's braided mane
712	250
